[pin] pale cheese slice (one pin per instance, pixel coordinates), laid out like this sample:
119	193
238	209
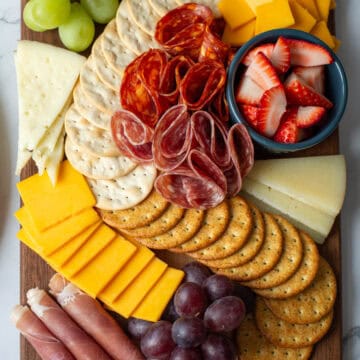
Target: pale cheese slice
318	181
46	76
316	223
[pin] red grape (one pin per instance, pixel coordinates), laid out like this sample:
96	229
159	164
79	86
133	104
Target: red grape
188	332
170	313
218	347
246	295
196	272
224	314
185	354
190	300
218	286
157	342
137	327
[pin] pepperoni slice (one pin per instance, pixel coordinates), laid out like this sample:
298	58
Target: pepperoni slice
202	83
132	136
172	138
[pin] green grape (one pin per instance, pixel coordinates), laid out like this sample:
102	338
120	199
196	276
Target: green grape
49	14
102	11
78	32
28	17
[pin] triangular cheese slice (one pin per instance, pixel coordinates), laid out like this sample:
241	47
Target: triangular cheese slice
318	181
46	76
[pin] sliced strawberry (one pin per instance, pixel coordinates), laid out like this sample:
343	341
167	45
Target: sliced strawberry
305	53
266	49
271	109
298	93
313	76
248	92
250	113
308	116
262	72
280	56
288	132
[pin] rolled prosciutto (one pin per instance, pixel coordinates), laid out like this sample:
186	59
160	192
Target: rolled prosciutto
91	316
81	345
43	341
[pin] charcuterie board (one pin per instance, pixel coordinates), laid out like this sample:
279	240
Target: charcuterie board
35	272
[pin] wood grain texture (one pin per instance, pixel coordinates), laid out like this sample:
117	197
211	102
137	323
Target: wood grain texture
35	272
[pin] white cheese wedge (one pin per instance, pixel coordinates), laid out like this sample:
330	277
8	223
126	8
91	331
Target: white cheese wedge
316	223
319	181
46	76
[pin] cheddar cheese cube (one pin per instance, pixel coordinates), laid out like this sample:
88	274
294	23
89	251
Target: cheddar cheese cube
311	6
324	9
253	4
304	21
323	33
337	43
235	12
240	35
273	15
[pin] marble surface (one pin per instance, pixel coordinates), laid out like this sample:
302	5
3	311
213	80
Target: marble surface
347	19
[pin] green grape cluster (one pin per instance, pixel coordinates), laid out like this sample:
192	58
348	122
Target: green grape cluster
74	20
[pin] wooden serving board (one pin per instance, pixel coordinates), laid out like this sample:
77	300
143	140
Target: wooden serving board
35	272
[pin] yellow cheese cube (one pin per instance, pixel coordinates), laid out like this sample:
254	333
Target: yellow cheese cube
236	12
273	15
332	4
102	269
62	255
240	35
322	32
303	19
156	300
56	236
311	6
127	274
24	238
324	9
49	205
92	247
128	301
255	3
337	43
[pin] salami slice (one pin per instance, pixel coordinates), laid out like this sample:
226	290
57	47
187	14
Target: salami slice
219	107
202	83
132	137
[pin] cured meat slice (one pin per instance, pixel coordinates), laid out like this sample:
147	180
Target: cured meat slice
132	136
181	30
172	138
174	72
219	107
202	83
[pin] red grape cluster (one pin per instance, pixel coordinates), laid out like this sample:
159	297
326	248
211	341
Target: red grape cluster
199	320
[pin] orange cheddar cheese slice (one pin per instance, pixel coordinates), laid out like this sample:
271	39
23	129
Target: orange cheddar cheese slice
49	205
304	21
25	239
240	35
57	235
236	12
321	31
99	272
133	295
91	248
154	303
127	274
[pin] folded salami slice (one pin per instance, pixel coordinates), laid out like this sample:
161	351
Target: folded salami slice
202	83
219	107
132	136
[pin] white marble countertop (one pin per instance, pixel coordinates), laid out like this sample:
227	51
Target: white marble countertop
347	21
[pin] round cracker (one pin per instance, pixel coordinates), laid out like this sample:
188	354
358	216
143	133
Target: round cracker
88	137
90	112
284	334
143	15
97	167
125	191
115	51
161	7
313	303
249	250
183	231
131	35
266	258
302	278
215	222
100	95
252	345
289	261
172	215
106	73
235	235
212	4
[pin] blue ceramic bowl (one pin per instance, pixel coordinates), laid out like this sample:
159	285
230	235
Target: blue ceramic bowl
336	91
